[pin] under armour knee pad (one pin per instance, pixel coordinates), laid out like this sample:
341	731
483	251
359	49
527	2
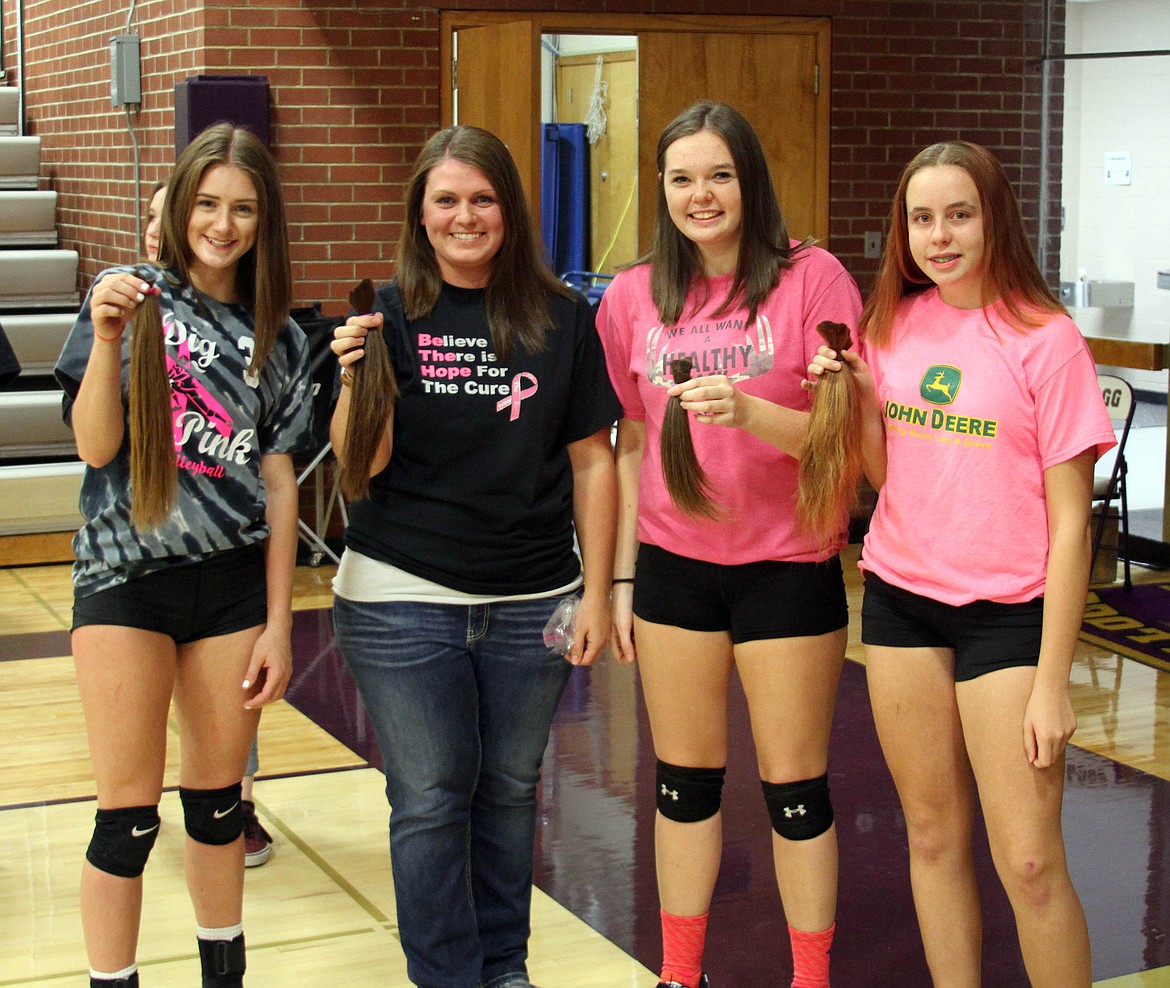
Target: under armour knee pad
123	839
213	816
688	795
799	810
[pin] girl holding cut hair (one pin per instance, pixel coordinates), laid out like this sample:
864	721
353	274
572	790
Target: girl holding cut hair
472	480
728	579
183	579
257	840
978	389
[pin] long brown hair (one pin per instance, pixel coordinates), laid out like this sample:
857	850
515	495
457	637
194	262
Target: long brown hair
765	250
685	479
517	292
830	460
267	298
1011	279
372	395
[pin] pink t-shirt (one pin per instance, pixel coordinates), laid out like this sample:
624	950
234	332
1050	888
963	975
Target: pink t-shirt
756	483
975	412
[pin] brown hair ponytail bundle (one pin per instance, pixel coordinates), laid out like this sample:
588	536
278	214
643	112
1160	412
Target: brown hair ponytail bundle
686	482
371	400
830	463
153	470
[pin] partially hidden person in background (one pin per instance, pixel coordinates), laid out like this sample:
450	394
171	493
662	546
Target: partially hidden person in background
980	395
732	580
183	578
460	544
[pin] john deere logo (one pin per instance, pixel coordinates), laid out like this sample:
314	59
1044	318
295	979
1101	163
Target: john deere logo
940	384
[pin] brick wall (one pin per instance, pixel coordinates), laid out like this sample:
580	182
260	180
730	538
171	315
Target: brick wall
355	91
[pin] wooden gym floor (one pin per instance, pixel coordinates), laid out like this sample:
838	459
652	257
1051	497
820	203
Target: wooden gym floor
321	912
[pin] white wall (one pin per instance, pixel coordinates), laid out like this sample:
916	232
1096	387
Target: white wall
1119	232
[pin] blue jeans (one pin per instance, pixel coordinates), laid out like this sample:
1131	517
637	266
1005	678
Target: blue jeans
462	699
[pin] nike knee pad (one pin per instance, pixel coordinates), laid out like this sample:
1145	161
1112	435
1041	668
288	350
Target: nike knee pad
799	810
688	795
122	840
213	816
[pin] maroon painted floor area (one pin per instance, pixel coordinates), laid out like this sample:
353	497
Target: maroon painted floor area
595	843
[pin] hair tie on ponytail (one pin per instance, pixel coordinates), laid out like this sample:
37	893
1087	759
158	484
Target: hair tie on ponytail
685	479
372	396
830	462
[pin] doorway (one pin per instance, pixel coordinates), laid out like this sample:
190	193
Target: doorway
770	68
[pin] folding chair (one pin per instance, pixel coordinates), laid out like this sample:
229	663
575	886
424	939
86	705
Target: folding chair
319	330
1119	401
591	284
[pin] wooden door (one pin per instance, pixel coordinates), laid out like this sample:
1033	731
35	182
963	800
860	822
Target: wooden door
772	79
496	82
613	160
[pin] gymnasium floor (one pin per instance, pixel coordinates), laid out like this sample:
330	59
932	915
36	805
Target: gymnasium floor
321	912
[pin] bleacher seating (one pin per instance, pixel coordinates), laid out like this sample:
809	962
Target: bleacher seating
20	162
40	475
37	338
28	218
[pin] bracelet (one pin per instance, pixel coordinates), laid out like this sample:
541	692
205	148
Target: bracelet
346	377
624	579
107	339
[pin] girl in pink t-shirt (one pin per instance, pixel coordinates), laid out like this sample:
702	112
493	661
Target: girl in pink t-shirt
743	586
984	420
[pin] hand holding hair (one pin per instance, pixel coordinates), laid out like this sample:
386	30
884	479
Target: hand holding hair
114	300
830	462
685	479
373	392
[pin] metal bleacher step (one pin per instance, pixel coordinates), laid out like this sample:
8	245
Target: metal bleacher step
40	498
37	338
31	426
9	111
38	279
28	218
20	162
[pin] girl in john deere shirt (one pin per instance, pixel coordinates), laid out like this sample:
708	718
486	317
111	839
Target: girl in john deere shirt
981	393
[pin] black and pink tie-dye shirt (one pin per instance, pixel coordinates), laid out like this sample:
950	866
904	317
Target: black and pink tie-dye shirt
224	421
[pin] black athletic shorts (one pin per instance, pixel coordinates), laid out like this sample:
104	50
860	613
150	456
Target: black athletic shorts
219	595
753	601
984	635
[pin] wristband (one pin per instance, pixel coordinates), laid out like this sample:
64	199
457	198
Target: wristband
346	377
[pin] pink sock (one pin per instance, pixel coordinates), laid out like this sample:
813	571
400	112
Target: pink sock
683	939
810	957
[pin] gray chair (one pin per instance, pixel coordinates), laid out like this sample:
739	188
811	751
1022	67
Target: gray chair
1119	401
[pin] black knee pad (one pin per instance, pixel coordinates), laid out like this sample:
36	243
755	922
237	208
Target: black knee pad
122	840
688	795
799	810
213	816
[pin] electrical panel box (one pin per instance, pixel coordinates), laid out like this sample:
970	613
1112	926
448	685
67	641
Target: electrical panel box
125	71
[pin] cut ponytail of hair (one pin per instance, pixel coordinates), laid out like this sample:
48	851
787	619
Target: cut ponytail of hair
686	482
830	462
372	396
154	476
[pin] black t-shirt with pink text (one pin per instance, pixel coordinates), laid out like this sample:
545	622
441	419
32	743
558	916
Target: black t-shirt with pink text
478	493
